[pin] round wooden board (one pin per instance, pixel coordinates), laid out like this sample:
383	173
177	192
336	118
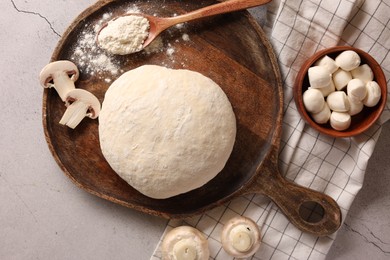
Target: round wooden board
231	49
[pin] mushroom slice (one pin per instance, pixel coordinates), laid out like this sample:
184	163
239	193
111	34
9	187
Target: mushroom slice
80	103
240	237
185	243
61	75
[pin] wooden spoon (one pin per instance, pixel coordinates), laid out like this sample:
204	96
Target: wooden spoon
159	24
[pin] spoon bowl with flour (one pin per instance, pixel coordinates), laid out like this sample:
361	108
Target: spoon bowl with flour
131	33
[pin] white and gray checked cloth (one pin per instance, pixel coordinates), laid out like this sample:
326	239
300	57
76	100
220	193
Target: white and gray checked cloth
297	29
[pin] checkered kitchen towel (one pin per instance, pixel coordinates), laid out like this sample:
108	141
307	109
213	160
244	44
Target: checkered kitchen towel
297	29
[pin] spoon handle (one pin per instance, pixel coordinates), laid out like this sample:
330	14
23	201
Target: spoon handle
220	8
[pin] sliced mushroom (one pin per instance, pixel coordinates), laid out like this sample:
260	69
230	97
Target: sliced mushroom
185	243
80	103
240	237
61	75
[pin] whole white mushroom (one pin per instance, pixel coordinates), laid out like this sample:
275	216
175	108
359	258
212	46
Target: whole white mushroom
240	237
185	243
328	63
323	116
313	100
327	89
338	101
355	106
341	78
356	89
340	120
373	94
319	76
363	72
348	60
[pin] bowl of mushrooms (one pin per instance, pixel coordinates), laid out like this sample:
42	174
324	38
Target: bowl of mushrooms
340	91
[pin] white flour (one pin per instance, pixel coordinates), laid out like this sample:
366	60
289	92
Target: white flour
185	37
90	58
93	60
124	35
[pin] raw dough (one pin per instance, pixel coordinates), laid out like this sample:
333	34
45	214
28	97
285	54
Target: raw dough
166	131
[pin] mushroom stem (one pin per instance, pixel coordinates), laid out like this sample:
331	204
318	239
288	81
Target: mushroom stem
74	114
81	103
185	243
240	237
59	75
62	84
185	250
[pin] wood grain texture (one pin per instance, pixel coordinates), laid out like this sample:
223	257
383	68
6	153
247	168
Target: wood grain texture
232	50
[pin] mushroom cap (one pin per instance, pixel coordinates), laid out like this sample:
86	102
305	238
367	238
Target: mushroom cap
373	94
319	76
313	100
323	116
62	66
338	101
87	98
240	237
185	239
348	60
340	120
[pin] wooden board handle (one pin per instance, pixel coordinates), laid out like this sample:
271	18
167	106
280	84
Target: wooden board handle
297	202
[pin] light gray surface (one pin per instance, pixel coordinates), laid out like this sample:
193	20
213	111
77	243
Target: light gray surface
366	231
44	216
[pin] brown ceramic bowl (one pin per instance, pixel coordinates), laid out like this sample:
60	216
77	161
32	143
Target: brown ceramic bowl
360	122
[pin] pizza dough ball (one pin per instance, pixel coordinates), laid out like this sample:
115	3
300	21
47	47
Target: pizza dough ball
165	131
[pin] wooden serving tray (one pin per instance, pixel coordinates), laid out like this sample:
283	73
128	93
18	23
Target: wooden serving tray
232	50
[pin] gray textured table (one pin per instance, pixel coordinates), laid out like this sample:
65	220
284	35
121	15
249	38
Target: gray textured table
44	216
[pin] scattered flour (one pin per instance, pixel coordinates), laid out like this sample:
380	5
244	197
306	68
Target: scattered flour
155	46
170	51
179	25
185	37
93	60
